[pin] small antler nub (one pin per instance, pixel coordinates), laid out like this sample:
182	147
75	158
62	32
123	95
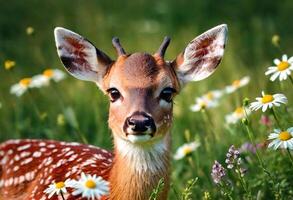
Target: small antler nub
119	49
161	51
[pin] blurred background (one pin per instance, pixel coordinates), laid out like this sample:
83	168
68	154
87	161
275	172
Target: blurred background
73	110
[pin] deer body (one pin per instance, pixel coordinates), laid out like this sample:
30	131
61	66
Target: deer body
141	88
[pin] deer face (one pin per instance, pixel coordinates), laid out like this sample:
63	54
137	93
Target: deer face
141	86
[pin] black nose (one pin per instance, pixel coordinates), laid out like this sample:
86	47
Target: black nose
139	122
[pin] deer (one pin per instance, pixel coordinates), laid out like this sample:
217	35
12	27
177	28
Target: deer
141	88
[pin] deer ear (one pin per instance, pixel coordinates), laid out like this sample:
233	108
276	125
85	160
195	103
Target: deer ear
201	56
80	57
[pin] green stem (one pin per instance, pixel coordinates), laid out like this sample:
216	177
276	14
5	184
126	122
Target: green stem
243	183
290	156
33	103
209	123
291	79
226	190
276	119
261	163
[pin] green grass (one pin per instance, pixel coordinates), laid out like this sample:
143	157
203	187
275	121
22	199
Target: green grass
141	26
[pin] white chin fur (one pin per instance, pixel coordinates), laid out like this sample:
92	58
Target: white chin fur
138	138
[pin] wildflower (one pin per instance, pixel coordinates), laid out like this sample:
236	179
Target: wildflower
213	95
21	87
186	149
9	64
232	157
203	103
237	84
49	74
282	139
237	115
29	30
91	187
282	69
268	101
248	147
57	188
265	120
218	172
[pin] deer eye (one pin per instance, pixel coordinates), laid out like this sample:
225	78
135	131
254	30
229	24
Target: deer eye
167	94
114	94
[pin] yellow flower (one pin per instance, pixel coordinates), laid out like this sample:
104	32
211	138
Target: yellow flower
9	64
29	30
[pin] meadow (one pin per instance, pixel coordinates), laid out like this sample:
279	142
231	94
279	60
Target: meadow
72	110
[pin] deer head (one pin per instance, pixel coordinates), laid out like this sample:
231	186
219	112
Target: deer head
141	86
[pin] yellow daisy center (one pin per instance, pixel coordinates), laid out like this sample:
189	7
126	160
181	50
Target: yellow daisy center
90	184
267	98
239	111
203	105
210	96
236	83
60	185
285	135
49	73
25	82
187	150
283	65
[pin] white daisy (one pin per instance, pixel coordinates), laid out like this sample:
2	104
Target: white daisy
186	149
282	69
268	101
57	188
49	74
203	103
21	87
282	139
213	95
238	114
91	187
237	84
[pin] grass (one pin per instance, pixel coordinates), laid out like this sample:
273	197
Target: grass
72	108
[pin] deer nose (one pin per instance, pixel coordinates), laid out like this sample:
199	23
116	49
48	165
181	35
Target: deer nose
139	123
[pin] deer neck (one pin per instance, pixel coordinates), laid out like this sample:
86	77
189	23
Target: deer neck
137	169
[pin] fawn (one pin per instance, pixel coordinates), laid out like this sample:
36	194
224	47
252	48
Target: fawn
141	88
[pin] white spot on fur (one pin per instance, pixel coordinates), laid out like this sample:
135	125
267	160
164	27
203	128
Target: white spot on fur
37	154
26	161
24	154
43	149
10	151
42	144
15	168
51	146
16	157
21	148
